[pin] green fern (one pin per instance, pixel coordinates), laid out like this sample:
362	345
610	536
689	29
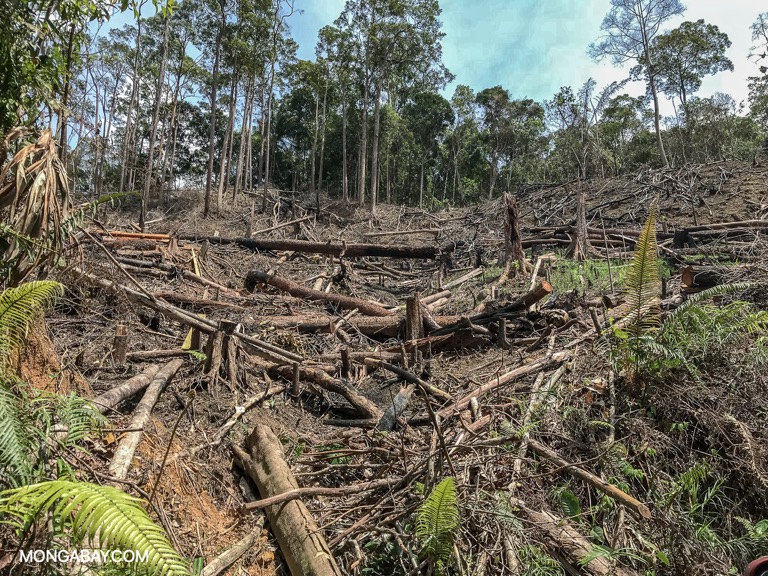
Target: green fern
438	521
642	282
15	439
90	511
19	307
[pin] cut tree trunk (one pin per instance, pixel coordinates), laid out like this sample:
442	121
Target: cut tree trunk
305	550
343	249
514	256
121	461
697	278
256	277
110	399
580	249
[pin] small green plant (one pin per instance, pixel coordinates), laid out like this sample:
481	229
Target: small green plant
537	562
43	497
437	523
87	511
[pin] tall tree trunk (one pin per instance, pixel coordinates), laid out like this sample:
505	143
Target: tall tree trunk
130	124
375	145
494	174
322	139
262	123
389	184
248	184
363	148
421	184
227	139
212	130
153	127
239	177
657	121
313	165
65	97
172	126
268	131
344	160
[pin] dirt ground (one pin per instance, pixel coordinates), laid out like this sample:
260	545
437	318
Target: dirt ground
200	496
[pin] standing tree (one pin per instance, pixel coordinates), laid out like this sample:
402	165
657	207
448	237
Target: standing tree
686	54
630	28
428	115
758	84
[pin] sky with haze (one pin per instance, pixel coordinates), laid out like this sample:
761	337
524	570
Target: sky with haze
533	47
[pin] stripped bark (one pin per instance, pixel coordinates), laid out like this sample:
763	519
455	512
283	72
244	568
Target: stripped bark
305	550
110	399
121	461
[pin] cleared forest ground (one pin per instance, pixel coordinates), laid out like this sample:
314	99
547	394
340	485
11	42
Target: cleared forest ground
688	450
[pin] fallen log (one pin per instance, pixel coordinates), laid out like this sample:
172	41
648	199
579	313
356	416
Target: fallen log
138	235
233	554
262	349
256	277
563	537
435	231
121	461
305	550
342	249
695	278
540	364
595	481
520	305
110	399
352	489
367	408
141	355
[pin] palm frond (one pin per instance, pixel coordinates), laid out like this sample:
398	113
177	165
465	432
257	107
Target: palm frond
19	307
438	521
642	282
89	511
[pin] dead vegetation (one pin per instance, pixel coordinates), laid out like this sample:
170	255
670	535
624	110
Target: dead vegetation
388	353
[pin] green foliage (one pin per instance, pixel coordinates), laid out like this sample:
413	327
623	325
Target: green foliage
438	522
683	56
19	308
15	438
88	511
569	502
537	562
701	331
599	275
642	283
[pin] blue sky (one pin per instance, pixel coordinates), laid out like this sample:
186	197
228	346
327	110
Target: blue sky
533	47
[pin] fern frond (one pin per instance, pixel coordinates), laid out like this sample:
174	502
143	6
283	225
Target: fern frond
15	440
695	299
642	282
438	521
114	518
19	307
